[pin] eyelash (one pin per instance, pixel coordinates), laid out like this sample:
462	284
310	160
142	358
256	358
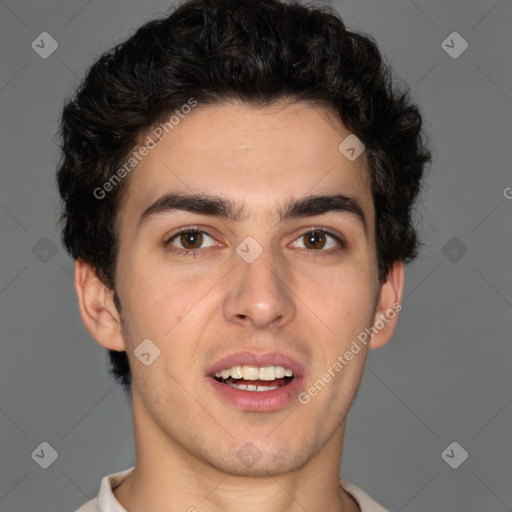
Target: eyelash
195	252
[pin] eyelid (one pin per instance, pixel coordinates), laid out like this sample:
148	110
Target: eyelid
185	229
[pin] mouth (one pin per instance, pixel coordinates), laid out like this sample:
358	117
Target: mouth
254	378
256	382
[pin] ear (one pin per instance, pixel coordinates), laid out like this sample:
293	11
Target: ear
97	307
389	305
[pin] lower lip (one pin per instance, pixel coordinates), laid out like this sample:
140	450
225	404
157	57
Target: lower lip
258	401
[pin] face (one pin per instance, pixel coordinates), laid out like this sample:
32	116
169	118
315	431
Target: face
264	285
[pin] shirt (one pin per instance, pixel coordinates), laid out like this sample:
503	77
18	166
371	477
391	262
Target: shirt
106	501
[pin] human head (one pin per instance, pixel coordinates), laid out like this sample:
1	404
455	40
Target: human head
213	51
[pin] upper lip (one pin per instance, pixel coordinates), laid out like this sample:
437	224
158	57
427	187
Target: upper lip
257	359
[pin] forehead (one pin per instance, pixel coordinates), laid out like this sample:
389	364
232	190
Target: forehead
258	157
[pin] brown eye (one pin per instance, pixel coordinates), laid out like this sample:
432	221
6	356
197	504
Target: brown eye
189	240
314	240
318	240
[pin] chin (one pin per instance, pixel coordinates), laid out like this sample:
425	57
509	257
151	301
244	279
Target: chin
246	460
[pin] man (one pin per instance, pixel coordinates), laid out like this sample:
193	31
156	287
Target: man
237	183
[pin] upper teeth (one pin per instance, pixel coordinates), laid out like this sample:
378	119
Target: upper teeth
247	372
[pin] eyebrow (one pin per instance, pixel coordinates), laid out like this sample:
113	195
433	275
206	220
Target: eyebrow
217	206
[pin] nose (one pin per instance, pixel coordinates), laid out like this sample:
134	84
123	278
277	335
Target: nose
259	293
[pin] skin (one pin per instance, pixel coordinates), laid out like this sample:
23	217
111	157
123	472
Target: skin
199	309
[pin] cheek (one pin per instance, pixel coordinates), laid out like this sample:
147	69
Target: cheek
346	306
346	301
156	298
171	313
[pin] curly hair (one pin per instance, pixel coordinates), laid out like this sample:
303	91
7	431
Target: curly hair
254	52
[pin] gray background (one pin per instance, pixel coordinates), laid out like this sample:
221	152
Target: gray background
444	377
